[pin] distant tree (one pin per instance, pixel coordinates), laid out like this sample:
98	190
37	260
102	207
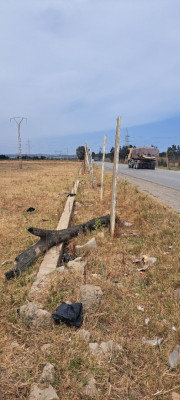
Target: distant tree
93	155
112	153
123	152
173	151
3	157
162	154
80	151
100	154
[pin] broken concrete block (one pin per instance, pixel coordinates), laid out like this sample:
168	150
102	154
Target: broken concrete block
77	265
28	311
90	245
94	348
90	296
42	319
177	293
84	334
104	349
38	392
90	388
48	374
34	316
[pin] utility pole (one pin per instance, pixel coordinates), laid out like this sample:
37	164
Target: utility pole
19	136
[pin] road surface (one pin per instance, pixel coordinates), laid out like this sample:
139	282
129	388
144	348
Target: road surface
162	184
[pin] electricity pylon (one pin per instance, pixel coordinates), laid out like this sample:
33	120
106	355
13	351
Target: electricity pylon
127	138
19	137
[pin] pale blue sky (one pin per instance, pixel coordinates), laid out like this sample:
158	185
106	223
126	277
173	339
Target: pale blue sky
72	66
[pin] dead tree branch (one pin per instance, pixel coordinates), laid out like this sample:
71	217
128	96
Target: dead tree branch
50	238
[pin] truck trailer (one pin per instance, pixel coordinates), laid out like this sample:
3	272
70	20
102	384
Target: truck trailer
143	157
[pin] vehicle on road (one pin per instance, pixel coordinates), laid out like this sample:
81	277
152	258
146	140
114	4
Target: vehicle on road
143	157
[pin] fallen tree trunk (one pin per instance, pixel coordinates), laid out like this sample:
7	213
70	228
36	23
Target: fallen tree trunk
49	238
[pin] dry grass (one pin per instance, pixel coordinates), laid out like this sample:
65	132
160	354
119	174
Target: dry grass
139	371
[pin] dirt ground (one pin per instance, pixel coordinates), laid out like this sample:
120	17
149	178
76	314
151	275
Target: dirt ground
139	371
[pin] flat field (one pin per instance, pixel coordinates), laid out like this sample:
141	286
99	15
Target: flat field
139	371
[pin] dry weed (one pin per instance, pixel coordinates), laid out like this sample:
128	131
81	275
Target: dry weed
139	371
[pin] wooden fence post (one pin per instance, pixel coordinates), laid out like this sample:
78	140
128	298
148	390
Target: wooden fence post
102	172
114	180
87	156
91	169
89	163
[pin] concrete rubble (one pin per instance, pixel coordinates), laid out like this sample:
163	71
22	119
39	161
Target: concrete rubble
48	374
90	245
84	334
90	389
34	316
77	265
90	296
43	392
104	349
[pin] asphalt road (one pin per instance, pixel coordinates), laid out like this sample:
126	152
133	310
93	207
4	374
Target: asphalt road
162	184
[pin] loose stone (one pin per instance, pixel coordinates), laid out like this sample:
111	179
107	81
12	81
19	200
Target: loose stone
90	296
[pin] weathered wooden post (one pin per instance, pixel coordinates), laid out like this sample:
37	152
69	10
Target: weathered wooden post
91	168
89	163
114	180
87	156
84	161
102	171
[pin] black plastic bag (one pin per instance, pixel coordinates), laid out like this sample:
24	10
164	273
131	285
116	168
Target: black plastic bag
67	257
30	209
71	314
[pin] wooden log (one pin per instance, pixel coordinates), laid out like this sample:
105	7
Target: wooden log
49	238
